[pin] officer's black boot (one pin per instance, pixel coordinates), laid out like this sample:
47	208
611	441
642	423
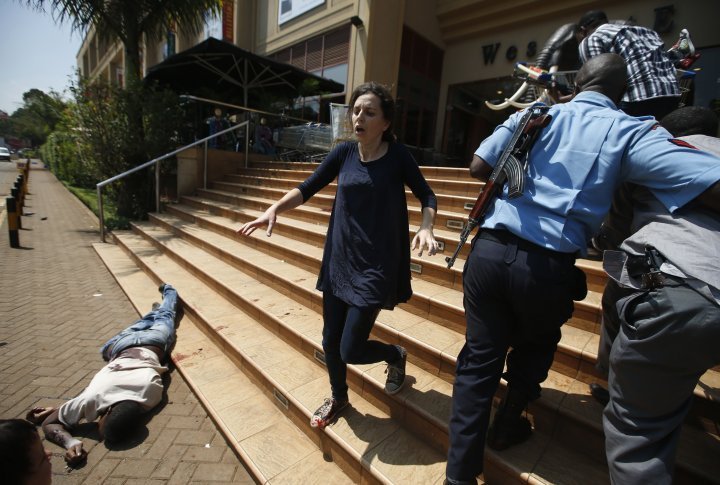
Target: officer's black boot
509	427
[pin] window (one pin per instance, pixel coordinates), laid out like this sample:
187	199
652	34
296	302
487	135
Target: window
168	47
325	55
337	73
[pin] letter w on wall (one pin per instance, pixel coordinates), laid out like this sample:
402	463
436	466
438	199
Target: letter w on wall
489	52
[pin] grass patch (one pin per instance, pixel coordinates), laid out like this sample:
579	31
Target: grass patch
89	198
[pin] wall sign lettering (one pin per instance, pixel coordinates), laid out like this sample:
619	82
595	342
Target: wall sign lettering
491	50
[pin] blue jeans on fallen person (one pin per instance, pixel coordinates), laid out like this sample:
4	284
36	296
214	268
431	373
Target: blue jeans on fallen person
156	328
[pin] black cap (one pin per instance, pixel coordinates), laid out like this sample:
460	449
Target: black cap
591	18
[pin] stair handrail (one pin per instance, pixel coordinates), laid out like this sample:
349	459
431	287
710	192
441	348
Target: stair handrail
156	162
282	116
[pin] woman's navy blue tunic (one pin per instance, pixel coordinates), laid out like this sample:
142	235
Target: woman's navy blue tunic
366	261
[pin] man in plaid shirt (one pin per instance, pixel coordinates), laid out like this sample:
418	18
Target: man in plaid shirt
652	83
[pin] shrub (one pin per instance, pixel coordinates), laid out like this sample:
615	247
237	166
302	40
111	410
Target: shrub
97	140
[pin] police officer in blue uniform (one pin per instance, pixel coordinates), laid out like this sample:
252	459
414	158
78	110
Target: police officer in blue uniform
519	279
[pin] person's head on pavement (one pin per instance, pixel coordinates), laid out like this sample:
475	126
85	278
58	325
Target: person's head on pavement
120	421
605	74
23	459
691	120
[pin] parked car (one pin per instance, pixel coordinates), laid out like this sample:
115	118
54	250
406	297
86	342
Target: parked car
4	154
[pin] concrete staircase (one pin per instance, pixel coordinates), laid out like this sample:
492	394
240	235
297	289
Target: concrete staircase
250	346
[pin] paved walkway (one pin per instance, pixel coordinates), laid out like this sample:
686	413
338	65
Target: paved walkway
58	304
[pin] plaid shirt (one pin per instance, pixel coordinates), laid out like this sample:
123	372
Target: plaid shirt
650	73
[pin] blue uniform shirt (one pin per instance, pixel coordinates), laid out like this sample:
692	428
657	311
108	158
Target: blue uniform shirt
588	148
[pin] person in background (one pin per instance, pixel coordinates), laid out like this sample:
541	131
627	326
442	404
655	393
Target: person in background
125	389
23	460
520	280
264	139
366	260
216	124
653	89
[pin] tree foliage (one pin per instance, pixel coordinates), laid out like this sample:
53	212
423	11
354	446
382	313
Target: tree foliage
95	142
36	118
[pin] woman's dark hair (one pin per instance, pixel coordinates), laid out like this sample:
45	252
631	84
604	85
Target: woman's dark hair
16	439
387	104
122	420
691	120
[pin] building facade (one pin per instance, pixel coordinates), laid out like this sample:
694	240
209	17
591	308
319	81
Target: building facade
442	58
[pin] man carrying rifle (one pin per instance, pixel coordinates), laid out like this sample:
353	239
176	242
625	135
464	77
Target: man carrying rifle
520	279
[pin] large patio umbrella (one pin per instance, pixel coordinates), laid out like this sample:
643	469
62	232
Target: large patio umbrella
227	69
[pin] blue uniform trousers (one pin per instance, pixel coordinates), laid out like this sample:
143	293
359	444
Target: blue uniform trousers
516	295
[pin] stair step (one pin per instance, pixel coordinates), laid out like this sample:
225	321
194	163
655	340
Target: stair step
266	440
444	173
452	221
322	205
310	224
253	184
465	186
448	235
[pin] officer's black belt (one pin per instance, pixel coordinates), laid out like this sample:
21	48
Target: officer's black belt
506	237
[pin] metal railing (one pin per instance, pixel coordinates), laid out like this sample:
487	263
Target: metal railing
157	161
213	102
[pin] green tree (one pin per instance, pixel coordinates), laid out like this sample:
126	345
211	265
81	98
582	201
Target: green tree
38	116
104	134
91	141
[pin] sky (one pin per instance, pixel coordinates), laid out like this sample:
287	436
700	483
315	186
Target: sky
34	53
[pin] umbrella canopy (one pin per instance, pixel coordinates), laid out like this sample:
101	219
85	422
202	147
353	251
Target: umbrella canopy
234	73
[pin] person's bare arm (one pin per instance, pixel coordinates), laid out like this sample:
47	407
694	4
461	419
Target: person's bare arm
38	415
289	201
479	168
425	237
56	432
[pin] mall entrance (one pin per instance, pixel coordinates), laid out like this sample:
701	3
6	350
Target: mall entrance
468	120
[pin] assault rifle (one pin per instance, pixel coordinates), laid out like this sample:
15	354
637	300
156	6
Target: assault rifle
508	168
